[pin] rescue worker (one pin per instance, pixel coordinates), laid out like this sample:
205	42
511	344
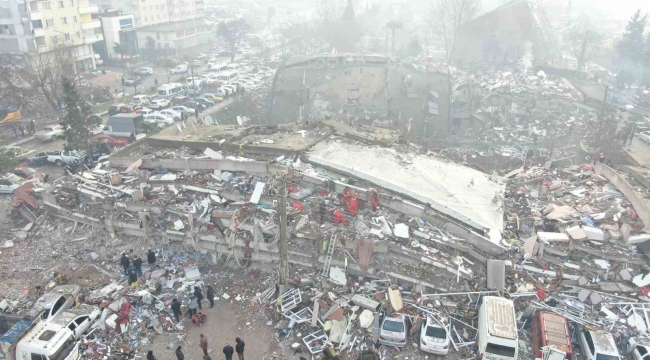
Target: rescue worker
133	277
150	355
179	353
339	217
125	263
353	205
199	295
345	198
151	259
374	199
204	345
228	351
137	263
239	348
192	306
176	308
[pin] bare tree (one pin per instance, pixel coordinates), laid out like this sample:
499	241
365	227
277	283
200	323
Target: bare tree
447	17
233	32
328	17
585	41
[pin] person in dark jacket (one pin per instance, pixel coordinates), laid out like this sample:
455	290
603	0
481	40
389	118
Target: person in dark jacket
203	344
133	277
176	308
179	353
199	295
137	262
210	294
125	263
151	259
228	351
150	355
239	348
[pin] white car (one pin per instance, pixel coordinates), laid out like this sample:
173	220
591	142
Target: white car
392	331
9	183
184	109
159	119
173	114
146	111
144	71
226	88
196	63
644	136
597	345
158	103
434	337
141	99
640	352
78	319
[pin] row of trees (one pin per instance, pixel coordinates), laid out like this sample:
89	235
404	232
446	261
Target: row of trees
634	50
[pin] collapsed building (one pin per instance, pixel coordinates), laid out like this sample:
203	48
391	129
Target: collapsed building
363	88
517	31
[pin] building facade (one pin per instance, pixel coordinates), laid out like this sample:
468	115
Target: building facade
34	28
180	36
118	29
153	12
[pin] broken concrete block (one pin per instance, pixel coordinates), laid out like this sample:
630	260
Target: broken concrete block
337	275
530	246
496	274
614	234
402	231
94	255
549	237
192	273
576	233
137	195
637	239
641	280
595	298
625	230
366	318
157	274
625	274
583	295
594	233
364	302
582	281
614	227
226	176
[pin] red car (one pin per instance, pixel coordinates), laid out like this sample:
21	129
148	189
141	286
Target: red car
101	138
28	173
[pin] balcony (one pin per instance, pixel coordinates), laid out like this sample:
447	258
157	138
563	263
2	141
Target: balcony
89	9
39	32
93	24
35	15
91	39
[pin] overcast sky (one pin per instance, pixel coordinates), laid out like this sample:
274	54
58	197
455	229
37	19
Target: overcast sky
615	9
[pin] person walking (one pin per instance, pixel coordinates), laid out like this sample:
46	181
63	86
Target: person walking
199	295
137	263
179	353
192	306
125	263
228	351
176	308
122	80
151	259
204	345
239	348
210	294
150	355
155	83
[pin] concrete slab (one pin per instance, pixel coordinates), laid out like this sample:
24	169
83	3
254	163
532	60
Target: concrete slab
594	233
496	274
576	233
463	193
549	237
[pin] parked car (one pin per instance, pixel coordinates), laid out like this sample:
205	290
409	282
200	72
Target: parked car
9	183
39	158
50	133
175	115
132	81
158	103
597	345
197	63
191	104
115	141
224	53
78	319
393	331
141	99
28	173
179	69
184	109
54	302
115	109
179	100
159	119
204	102
434	336
226	88
644	136
146	111
212	97
143	71
640	352
63	157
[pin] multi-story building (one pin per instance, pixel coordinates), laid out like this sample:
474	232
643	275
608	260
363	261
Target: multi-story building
180	36
153	12
35	28
118	29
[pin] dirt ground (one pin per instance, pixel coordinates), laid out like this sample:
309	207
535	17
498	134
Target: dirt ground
222	325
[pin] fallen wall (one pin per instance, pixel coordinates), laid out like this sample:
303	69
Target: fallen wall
623	186
252	167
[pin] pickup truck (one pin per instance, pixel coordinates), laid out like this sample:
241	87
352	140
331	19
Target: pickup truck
63	157
50	133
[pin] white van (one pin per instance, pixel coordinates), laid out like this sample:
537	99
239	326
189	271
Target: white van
497	329
233	66
228	76
141	99
48	341
180	69
217	68
170	90
195	87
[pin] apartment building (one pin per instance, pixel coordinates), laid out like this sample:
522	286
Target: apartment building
34	28
118	29
153	12
180	36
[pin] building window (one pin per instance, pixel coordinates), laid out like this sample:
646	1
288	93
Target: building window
4	30
47	5
158	16
67	37
37	24
78	35
166	45
61	6
145	18
74	18
54	39
64	20
49	22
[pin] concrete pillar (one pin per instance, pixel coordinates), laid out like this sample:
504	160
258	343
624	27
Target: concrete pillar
110	227
144	218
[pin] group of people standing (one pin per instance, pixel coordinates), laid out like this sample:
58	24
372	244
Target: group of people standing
228	350
196	298
133	266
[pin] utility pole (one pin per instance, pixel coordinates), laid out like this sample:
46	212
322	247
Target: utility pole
193	84
283	230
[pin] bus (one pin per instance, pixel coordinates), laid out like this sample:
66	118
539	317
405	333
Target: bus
170	90
228	76
217	68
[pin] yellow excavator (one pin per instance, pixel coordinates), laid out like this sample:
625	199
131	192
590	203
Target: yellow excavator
10	115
